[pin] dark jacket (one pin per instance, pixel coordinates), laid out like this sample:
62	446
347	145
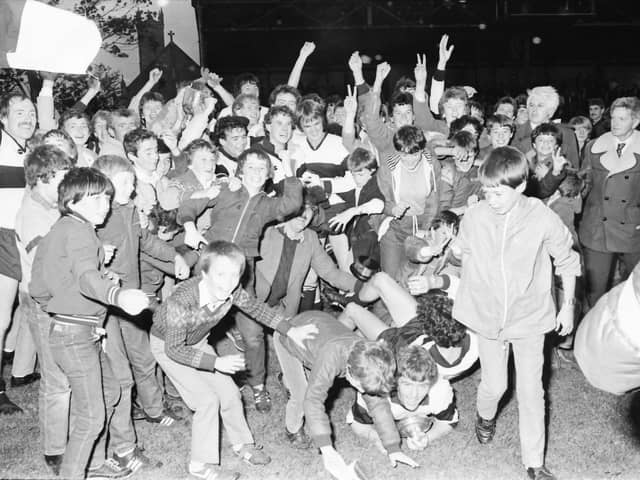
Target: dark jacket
522	141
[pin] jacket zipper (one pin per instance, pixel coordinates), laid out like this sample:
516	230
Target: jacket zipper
504	272
244	210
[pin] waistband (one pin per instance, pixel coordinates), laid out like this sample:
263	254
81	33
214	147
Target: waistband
78	320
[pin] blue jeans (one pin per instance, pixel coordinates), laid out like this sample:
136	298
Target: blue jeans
76	352
54	395
392	252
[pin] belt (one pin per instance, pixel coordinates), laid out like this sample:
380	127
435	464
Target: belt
84	320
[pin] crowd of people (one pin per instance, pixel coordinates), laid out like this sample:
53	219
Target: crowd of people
392	244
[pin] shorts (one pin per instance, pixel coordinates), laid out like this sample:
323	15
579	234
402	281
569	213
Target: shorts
9	256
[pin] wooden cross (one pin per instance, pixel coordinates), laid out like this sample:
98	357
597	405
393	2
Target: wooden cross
171	34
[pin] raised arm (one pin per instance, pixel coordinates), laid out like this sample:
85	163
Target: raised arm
44	103
214	81
306	50
93	83
349	127
154	76
437	82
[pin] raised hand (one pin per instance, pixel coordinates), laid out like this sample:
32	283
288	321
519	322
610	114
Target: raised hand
382	70
212	79
230	364
351	102
444	52
155	75
93	82
420	72
559	161
192	237
355	61
307	49
133	301
419	284
181	269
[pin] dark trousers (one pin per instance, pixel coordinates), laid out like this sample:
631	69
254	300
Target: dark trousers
599	268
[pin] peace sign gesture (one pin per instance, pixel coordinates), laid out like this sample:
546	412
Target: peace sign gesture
420	72
444	52
559	161
351	102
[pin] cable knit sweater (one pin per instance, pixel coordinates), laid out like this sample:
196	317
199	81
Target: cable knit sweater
181	322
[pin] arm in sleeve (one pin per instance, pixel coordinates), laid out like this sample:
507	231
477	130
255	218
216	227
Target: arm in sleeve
559	243
550	183
84	254
570	147
154	247
191	209
381	136
288	203
425	120
260	311
385	425
175	337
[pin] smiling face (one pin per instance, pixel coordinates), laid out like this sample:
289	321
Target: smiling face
20	121
280	129
250	110
453	109
500	136
147	155
411	393
255	172
313	129
150	111
465	163
234	141
286	99
78	129
545	145
203	164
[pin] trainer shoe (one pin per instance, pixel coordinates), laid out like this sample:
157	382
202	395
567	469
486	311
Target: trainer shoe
212	472
109	470
26	380
485	429
262	399
166	419
540	473
252	454
136	460
54	462
299	440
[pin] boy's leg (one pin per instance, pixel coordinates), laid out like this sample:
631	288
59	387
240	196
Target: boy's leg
494	356
24	361
196	393
54	394
401	304
76	352
340	245
355	316
143	366
528	355
391	252
295	380
598	271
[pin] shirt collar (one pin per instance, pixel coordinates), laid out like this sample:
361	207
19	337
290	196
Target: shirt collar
205	297
145	177
299	239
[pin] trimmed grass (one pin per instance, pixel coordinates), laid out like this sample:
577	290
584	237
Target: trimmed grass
591	435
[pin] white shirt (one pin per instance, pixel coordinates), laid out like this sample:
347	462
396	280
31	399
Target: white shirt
10	198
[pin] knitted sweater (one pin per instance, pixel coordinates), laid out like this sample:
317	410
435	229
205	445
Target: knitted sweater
181	322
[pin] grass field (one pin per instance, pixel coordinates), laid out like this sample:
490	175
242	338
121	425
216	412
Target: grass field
591	435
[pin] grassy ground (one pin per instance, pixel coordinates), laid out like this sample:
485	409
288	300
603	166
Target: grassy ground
592	435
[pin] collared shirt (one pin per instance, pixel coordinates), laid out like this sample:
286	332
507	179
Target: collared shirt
205	297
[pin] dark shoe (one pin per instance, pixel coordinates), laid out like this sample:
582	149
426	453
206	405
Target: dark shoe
26	380
299	440
109	470
540	473
53	462
364	268
136	460
262	399
235	336
7	357
337	299
7	407
166	419
485	429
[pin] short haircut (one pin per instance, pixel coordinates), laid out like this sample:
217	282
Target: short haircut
453	93
226	124
333	100
446	218
630	103
80	182
309	110
195	146
151	97
220	248
521	101
283	89
74	113
400	98
548	94
253	151
243	78
580	121
134	138
466	140
111	165
120	112
459	123
409	139
404	83
501	121
508	100
434	312
599	102
7	100
547	129
241	100
43	162
373	365
361	159
100	115
504	166
279	110
416	364
66	138
572	185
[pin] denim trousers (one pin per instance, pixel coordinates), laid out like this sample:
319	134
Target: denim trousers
294	378
55	393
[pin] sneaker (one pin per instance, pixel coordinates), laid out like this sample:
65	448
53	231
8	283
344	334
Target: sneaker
26	380
337	299
252	454
166	419
213	472
110	469
262	399
235	336
53	462
485	429
137	413
136	460
540	473
299	440
7	407
7	357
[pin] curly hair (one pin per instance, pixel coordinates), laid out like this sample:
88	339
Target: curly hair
416	364
434	311
373	365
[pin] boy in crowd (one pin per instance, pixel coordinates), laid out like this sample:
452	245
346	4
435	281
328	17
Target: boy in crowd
512	307
337	352
77	124
500	128
122	230
70	283
248	106
45	167
240	216
179	335
459	175
278	126
547	164
230	136
119	123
